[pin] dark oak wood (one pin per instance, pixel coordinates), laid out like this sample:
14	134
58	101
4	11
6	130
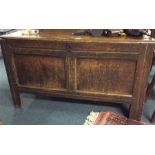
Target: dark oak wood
56	63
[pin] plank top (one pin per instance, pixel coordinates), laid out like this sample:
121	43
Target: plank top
66	35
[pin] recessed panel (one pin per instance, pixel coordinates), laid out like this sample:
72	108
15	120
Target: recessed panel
41	71
28	70
111	76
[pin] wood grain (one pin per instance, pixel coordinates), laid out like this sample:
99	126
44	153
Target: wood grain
107	76
56	63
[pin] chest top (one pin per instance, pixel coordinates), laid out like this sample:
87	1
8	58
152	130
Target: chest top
67	36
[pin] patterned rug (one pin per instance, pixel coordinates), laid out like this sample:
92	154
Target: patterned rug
109	118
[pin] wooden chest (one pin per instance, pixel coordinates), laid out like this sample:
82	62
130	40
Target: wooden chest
59	64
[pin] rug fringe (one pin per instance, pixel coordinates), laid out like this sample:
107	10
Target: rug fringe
91	118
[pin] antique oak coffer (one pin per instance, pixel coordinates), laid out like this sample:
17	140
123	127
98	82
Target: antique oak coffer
56	63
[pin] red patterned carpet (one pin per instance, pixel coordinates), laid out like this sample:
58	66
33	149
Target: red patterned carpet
110	118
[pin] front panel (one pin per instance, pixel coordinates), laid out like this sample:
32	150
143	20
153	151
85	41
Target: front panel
107	76
41	71
107	72
85	71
